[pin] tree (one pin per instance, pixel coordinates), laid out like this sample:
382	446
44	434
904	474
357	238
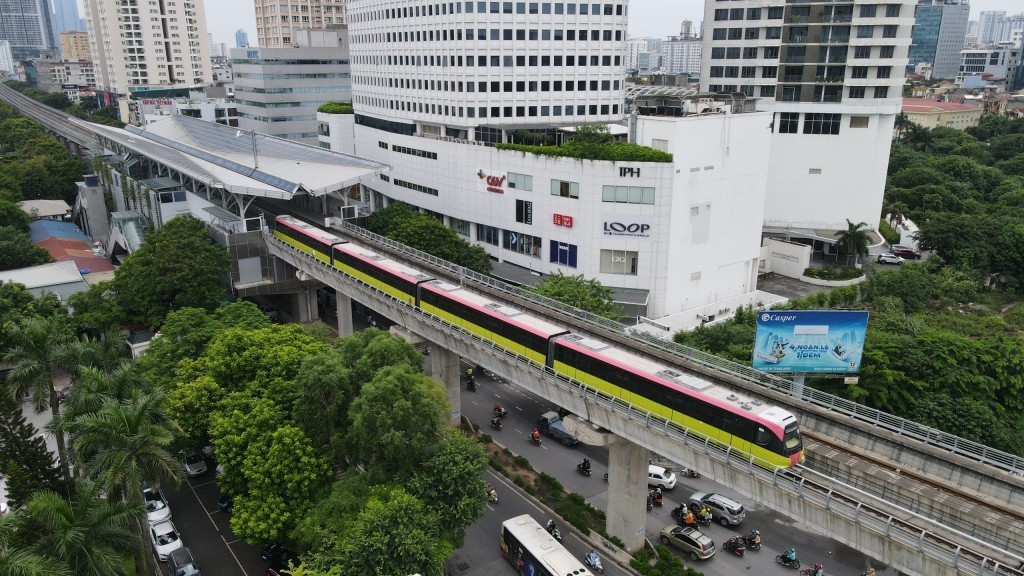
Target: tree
15	562
18	251
24	459
18	304
241	423
97	309
584	293
189	404
41	349
395	420
403	224
86	533
325	392
854	240
450	483
284	480
177	267
901	125
374	548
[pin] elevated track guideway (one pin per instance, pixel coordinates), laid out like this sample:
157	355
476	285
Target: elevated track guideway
57	122
900	533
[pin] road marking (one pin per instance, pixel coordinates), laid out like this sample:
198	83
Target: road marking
217	528
237	561
203	484
489	508
518	408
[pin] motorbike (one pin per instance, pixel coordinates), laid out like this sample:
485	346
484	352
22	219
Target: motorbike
496	424
650	501
678	512
594	562
585	470
701	515
734	545
534	439
553	530
500	411
751	542
816	570
782	559
492	495
656	497
471	384
689	473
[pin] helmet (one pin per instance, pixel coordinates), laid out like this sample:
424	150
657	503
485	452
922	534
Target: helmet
818	566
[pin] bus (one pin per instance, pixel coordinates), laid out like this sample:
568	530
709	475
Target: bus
533	552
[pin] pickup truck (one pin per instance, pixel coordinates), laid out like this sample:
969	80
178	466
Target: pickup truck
550	423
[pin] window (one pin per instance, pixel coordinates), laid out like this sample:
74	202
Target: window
775	12
460	226
753	13
627	194
862	52
717	71
565	189
752	33
868	11
858	121
750	52
732	53
856	91
721	14
865	31
886	51
488	234
892	11
881	91
717	53
889	31
619	262
883	72
815	123
771	53
768	91
520	181
773	32
524	212
562	253
736	14
748	72
735	33
789	122
522	243
859	72
769	71
719	34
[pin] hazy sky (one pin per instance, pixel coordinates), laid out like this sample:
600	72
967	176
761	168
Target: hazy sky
656	18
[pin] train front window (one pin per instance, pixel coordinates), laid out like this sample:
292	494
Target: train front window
792	439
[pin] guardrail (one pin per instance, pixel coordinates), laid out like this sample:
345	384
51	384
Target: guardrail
973	450
872	515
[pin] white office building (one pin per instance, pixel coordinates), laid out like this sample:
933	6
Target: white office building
278	20
998	61
681	54
437	87
137	46
639	52
990	26
832	75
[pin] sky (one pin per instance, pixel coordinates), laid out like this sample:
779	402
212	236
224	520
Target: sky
653	18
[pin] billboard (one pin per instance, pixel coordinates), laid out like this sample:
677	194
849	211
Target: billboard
809	340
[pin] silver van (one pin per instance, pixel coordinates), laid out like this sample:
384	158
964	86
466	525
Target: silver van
725	511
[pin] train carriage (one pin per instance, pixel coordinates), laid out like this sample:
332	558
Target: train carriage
494	321
306	237
391	277
766	432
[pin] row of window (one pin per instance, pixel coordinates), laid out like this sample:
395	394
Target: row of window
413	152
491	8
281	62
800	34
416	187
488	112
301	118
796	73
624	262
776	12
830	54
814	123
507	61
495	34
292	90
319	76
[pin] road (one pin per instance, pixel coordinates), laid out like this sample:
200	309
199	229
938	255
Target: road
478	555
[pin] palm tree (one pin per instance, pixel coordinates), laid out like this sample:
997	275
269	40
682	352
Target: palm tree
126	444
107	352
15	562
87	533
41	348
854	239
902	123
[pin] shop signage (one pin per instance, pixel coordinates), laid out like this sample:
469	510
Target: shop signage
635	229
494	183
626	171
563	220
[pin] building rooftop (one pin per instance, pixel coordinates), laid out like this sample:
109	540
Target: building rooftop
44	208
65	242
240	161
926	106
61	278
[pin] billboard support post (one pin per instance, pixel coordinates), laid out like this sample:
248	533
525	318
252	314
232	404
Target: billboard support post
798	384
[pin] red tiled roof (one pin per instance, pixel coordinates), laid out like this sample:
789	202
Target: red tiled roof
928	105
80	252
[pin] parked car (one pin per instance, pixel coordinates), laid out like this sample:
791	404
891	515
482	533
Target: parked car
193	464
658	476
157	509
165	539
890	259
225	503
906	252
275	554
694	543
270	312
725	511
182	563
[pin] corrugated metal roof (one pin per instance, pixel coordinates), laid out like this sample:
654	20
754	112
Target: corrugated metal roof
43	229
44	208
60	278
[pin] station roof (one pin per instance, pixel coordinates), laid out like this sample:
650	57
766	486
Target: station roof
240	161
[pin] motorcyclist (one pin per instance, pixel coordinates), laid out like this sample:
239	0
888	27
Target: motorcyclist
496	421
586	465
551	525
790	555
490	489
818	570
499	410
688	518
535	435
755	537
705	513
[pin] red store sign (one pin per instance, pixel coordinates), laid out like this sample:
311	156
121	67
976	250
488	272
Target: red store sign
494	183
563	220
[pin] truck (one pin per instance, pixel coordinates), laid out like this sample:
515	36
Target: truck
550	423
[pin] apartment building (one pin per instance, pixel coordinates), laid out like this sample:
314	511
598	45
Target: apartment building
75	46
832	74
277	20
140	44
28	26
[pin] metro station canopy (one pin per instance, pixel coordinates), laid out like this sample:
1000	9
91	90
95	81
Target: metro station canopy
239	161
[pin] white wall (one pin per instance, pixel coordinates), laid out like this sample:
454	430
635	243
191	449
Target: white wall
785	258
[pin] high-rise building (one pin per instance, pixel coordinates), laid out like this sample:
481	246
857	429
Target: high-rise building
26	24
75	46
278	90
241	38
939	32
833	75
681	54
990	25
435	101
276	20
997	61
1011	25
65	17
157	45
6	59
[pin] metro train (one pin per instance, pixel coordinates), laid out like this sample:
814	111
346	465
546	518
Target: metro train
769	433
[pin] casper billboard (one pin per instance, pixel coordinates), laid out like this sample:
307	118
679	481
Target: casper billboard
809	340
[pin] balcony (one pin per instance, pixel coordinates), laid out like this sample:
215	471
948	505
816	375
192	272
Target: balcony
834	39
839	18
829	79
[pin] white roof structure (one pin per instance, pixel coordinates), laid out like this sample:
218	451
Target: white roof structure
44	208
61	278
240	161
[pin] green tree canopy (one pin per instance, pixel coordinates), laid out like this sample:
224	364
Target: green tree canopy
584	293
403	224
178	266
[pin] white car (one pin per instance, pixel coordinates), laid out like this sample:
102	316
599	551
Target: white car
658	476
890	259
157	509
165	539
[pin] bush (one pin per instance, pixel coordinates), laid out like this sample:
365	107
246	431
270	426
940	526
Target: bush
891	236
518	481
608	151
522	462
336	108
834	273
485	438
506	452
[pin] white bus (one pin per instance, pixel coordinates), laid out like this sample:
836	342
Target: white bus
534	552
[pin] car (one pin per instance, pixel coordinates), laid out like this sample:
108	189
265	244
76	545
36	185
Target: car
724	510
694	543
165	539
225	503
906	252
890	259
275	554
157	509
182	563
270	312
193	464
658	476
